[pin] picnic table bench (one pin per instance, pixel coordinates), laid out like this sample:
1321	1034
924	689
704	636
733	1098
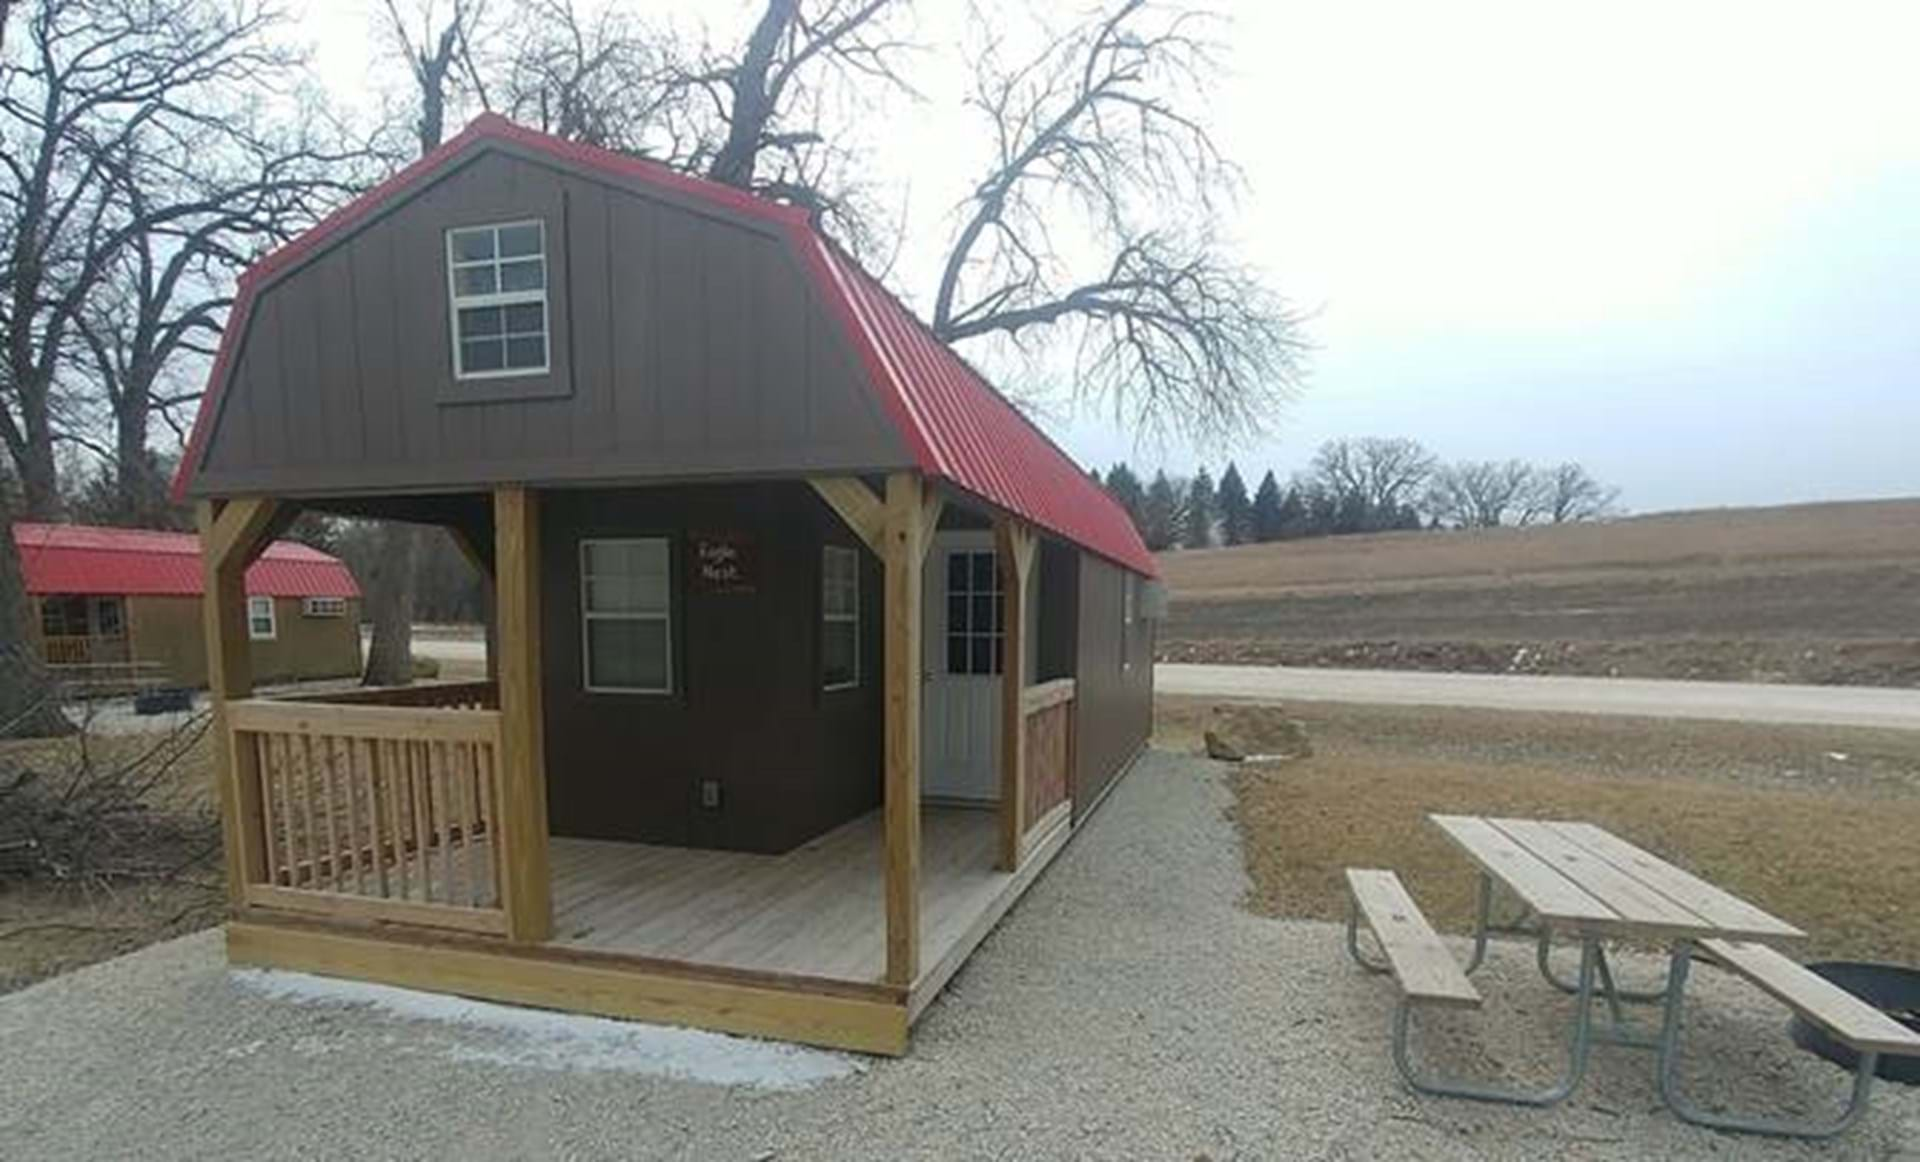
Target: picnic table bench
1582	882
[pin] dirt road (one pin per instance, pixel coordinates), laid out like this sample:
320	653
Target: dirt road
1729	701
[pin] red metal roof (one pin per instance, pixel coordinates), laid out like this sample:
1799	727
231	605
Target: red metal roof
144	562
958	427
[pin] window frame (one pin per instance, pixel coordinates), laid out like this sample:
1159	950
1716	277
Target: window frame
499	298
273	619
588	616
995	634
323	607
852	557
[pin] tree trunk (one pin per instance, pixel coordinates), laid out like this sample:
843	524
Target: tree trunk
390	590
28	705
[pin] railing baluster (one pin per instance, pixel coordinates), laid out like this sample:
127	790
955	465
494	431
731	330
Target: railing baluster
269	800
372	749
353	813
422	818
484	760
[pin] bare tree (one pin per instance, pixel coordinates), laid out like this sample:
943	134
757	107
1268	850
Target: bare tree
594	79
1566	492
1382	472
83	84
28	705
1482	494
1101	126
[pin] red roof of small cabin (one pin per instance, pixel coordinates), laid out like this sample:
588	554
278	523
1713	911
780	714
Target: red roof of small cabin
957	426
89	559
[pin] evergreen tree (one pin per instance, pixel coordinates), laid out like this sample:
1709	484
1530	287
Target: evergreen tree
1160	514
1266	515
1125	488
1236	514
1196	530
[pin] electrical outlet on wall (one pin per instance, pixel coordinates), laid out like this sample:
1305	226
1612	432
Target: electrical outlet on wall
710	794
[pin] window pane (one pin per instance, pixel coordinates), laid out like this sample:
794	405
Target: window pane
519	240
476	322
983	572
530	351
956	572
481	355
627	576
838	665
469	245
627	654
983	611
956	653
526	319
526	274
984	648
473	280
957	613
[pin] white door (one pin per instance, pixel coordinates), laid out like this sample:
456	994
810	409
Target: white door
960	665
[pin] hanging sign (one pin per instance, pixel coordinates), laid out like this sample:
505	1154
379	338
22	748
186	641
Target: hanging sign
724	563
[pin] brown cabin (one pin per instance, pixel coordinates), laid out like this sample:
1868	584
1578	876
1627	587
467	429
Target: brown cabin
811	651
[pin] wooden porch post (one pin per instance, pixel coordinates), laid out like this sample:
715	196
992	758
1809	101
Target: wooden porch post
232	533
904	555
525	886
1014	546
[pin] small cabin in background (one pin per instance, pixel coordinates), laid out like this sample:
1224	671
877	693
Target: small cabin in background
117	608
811	650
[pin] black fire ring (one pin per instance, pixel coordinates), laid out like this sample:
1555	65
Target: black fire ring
1889	987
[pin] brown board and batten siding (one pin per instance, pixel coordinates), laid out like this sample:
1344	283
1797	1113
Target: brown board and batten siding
683	341
747	708
1113	687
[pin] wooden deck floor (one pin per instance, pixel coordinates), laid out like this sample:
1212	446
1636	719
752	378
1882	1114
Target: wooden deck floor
814	911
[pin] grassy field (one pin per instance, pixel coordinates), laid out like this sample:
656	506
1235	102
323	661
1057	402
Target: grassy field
1823	593
1814	824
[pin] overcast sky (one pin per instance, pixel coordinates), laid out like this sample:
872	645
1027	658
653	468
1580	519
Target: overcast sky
1677	242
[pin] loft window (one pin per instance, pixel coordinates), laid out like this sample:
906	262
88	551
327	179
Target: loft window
626	615
497	277
973	612
260	623
324	607
839	617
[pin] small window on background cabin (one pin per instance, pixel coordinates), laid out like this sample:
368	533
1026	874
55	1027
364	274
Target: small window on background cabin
839	618
1126	621
497	277
626	606
260	624
324	607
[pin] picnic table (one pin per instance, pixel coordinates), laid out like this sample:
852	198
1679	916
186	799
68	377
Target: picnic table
1582	884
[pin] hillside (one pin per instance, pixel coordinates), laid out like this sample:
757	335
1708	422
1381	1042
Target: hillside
1826	593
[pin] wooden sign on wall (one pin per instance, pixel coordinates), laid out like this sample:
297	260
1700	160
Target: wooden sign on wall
724	563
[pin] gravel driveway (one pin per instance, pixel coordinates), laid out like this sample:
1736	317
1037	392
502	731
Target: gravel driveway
1128	1008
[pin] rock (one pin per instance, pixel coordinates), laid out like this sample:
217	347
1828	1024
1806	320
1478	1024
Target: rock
1248	733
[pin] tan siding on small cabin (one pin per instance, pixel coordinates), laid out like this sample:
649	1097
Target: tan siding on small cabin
684	342
168	630
1115	701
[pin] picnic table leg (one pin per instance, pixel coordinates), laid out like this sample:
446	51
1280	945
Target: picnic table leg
1685	1110
1353	940
1580	1044
1481	929
1614	994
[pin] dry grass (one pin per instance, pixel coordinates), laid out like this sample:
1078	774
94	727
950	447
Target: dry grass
1803	535
1767	813
50	926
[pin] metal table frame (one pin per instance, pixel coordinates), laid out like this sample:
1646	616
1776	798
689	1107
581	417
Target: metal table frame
1595	981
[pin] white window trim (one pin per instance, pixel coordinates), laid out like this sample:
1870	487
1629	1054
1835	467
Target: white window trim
273	622
853	556
456	301
587	616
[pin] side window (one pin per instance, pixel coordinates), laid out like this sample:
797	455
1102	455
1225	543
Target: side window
497	280
973	612
260	624
839	618
626	615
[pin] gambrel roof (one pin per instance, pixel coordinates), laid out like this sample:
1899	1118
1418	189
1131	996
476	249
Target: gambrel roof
953	425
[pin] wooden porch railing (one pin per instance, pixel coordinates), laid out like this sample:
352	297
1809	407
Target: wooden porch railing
83	649
1049	708
377	812
440	695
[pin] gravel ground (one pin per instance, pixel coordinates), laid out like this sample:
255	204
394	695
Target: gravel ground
1129	1008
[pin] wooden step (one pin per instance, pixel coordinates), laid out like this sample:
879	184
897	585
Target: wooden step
1846	1016
1424	968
